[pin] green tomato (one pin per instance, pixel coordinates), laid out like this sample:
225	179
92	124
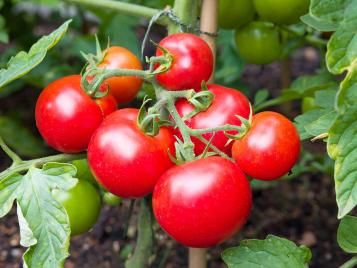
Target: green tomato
111	199
83	171
82	204
235	13
281	11
308	104
259	42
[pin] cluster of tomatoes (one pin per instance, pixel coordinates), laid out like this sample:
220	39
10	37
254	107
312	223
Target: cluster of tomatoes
199	203
259	41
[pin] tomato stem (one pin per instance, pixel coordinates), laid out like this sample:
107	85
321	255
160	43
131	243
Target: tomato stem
123	8
21	166
10	153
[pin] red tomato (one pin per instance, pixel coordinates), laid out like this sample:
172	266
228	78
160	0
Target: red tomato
269	149
226	105
126	161
202	203
192	62
67	117
123	88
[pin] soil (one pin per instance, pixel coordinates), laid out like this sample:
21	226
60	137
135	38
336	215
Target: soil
302	210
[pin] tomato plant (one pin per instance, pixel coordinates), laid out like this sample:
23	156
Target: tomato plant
125	160
192	61
258	42
234	14
281	12
226	105
188	199
67	117
82	204
123	88
269	149
179	144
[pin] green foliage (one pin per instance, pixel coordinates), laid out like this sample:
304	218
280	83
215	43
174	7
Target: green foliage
24	62
44	225
272	252
20	138
347	234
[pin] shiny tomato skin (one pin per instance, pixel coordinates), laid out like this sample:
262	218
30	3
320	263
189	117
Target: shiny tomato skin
227	103
269	149
192	62
126	161
124	88
66	116
202	203
82	204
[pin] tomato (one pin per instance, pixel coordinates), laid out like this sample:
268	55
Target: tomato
269	149
308	104
110	199
235	13
82	204
125	160
192	62
281	11
123	88
67	117
227	103
202	203
259	42
83	170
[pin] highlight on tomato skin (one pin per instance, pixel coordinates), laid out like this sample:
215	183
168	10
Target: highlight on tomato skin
270	148
66	116
126	161
192	62
226	105
202	203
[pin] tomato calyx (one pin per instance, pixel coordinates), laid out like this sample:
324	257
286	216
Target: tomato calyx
165	61
149	120
242	129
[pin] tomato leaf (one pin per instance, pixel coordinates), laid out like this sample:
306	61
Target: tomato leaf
347	234
342	147
328	12
272	252
24	62
44	225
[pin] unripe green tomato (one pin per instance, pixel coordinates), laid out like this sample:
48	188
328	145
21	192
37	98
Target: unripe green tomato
82	204
281	11
111	199
235	13
83	171
259	42
308	104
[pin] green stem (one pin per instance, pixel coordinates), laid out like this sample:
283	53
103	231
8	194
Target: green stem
312	40
39	162
186	11
10	153
124	8
350	263
144	242
214	148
